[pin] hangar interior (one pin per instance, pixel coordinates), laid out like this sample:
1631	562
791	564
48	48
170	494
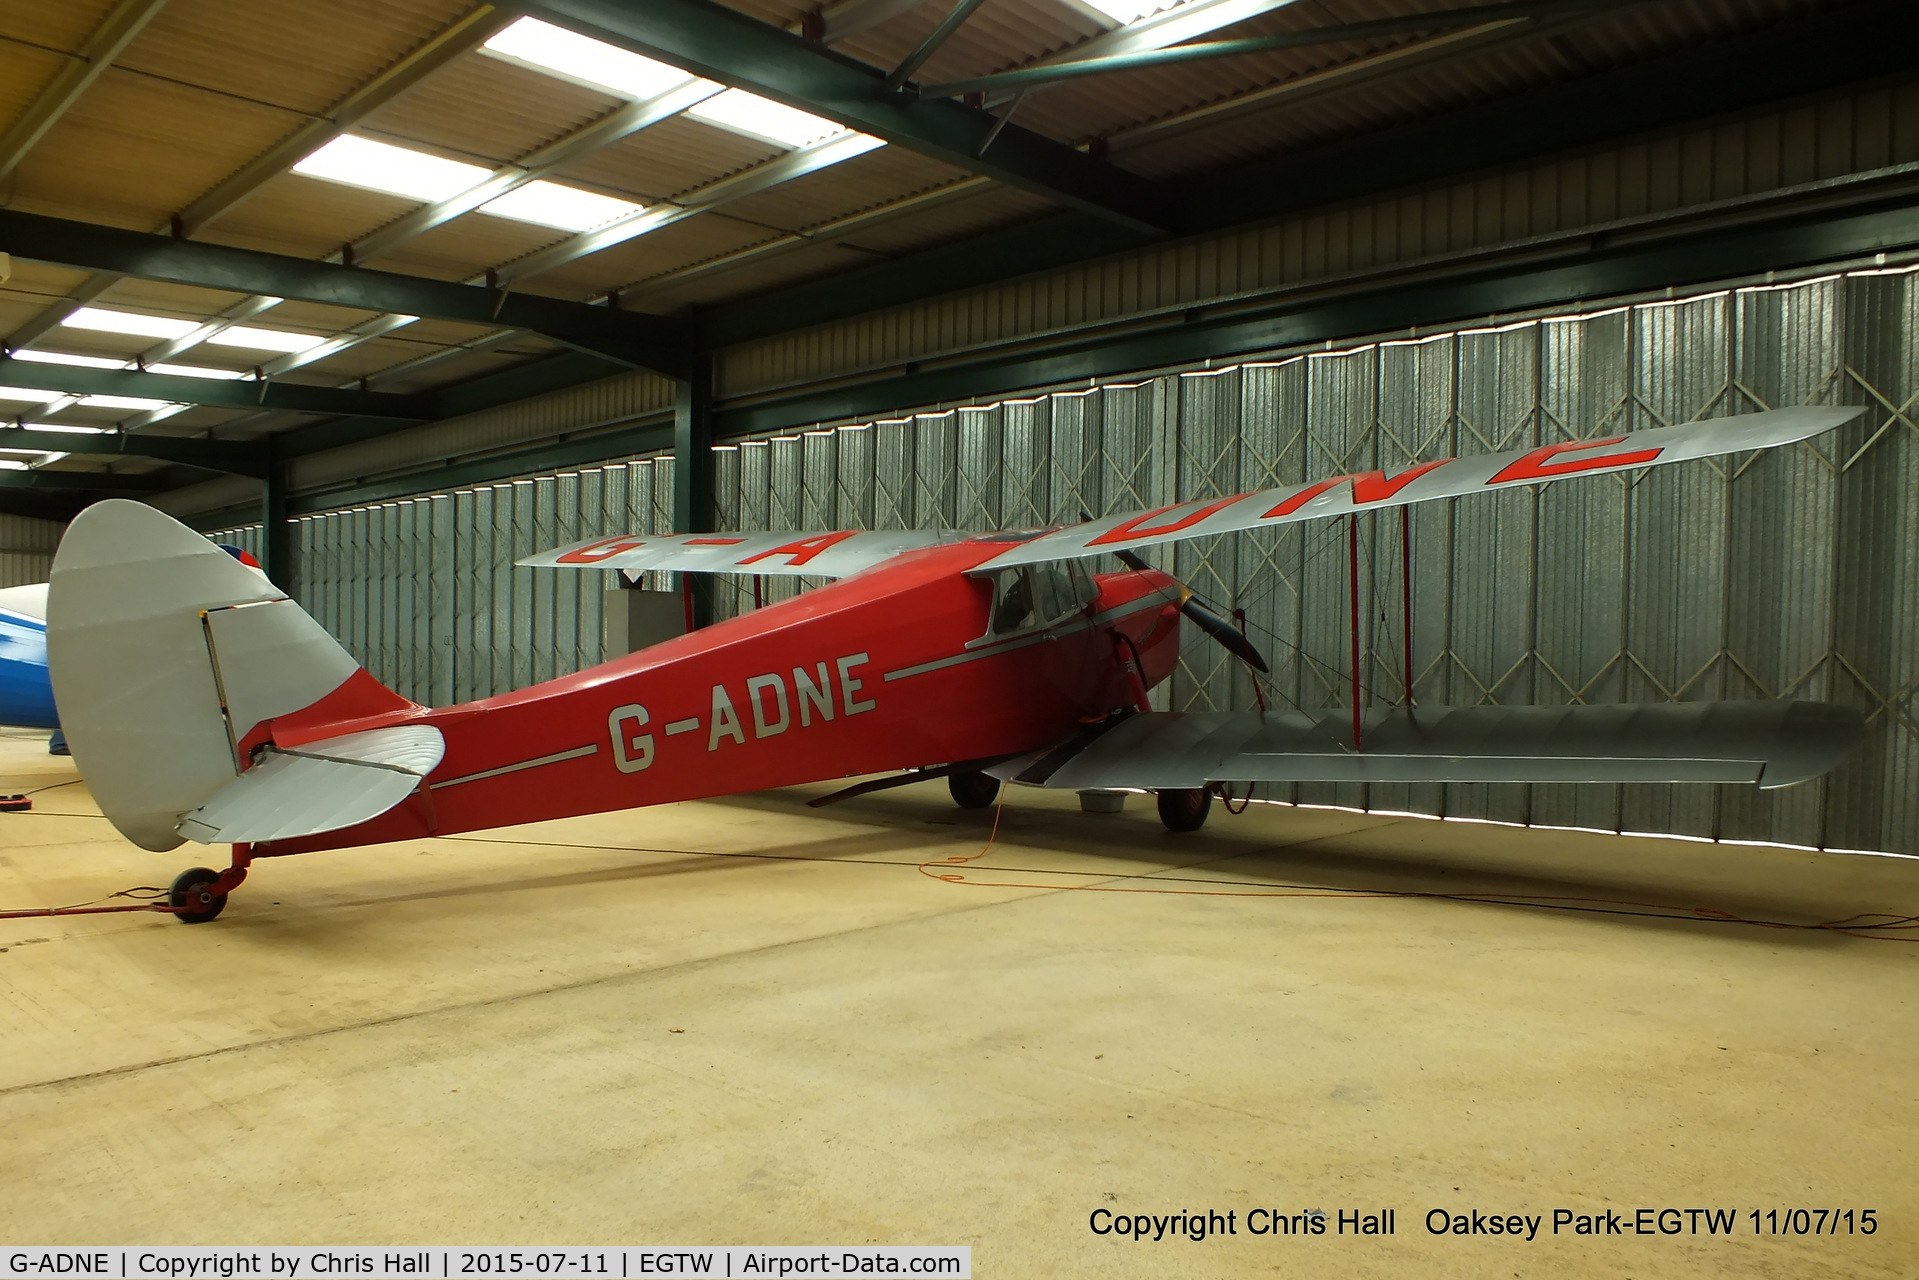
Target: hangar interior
392	294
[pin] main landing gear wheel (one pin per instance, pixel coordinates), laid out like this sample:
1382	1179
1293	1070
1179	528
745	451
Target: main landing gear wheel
192	898
972	790
1185	809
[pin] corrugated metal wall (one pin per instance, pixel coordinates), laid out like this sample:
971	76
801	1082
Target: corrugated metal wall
26	549
1791	573
424	592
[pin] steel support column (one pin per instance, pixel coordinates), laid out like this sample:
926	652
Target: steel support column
276	531
693	501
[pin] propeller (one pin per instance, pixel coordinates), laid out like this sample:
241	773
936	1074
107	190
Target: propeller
1206	620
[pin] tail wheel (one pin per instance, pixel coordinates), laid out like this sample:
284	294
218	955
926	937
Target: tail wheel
972	790
192	897
1184	809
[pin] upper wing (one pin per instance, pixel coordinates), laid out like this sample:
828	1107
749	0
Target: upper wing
824	555
1446	478
1770	744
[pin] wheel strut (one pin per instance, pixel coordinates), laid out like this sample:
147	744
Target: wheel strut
199	894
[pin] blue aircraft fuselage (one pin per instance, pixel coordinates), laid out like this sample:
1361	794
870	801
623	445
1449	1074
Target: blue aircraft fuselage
26	695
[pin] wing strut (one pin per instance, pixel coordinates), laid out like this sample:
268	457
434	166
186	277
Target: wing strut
1352	563
1406	594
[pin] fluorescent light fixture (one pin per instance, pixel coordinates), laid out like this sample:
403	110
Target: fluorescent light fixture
565	208
197	371
144	326
584	60
122	402
398	171
28	395
1125	11
70	429
265	339
758	117
12	464
84	362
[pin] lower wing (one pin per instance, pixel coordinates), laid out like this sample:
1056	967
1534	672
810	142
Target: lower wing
1762	743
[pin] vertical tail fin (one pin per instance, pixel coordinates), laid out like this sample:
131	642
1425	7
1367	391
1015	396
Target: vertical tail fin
180	673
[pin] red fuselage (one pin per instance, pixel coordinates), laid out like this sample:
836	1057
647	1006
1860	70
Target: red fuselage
890	669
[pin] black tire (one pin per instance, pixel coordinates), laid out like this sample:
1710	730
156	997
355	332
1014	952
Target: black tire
1183	809
972	790
191	902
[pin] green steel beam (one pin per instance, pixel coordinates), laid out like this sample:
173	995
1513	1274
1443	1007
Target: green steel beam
1860	42
41	504
629	338
1583	270
722	44
575	451
237	457
1340	33
236	394
105	482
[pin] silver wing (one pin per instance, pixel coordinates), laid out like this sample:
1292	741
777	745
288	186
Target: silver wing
840	553
1768	744
1444	478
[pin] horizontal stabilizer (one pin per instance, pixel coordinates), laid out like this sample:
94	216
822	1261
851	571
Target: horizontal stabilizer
1768	744
835	554
319	786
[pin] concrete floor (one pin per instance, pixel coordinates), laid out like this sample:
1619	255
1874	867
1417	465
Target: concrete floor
747	1022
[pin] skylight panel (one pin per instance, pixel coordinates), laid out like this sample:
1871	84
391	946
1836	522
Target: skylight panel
584	60
12	464
199	371
1125	11
28	395
241	335
102	320
70	429
122	402
758	117
566	208
398	171
84	362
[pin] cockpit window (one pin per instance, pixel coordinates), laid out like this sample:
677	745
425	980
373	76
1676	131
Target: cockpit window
1039	595
1012	601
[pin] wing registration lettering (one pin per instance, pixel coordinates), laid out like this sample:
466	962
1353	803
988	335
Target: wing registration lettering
1368	487
1537	465
798	553
1137	527
604	549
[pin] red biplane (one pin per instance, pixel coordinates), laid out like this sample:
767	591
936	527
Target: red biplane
203	704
